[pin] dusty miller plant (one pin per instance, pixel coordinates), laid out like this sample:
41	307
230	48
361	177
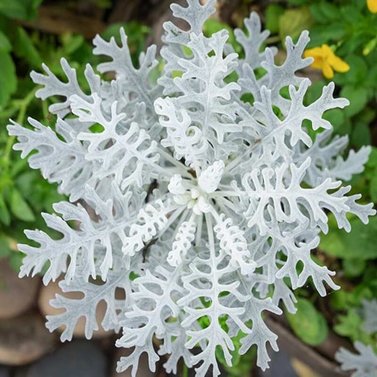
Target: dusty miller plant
369	314
207	206
363	363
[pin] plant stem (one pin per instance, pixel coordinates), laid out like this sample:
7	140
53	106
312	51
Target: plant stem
20	119
185	371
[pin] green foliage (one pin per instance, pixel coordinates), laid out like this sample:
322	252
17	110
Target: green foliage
19	207
136	32
19	9
8	80
371	175
24	48
358	97
242	365
350	325
293	21
359	244
308	323
212	26
349	320
4	247
272	17
353	267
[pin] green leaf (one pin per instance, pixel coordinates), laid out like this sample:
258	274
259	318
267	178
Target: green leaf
19	207
20	9
241	364
353	42
323	12
358	98
368	115
273	13
372	161
4	247
335	32
16	261
135	31
71	43
335	116
4	213
8	78
317	14
298	2
371	79
326	35
373	187
350	12
24	48
329	11
212	26
339	299
314	91
308	323
353	267
294	21
357	73
350	325
4	43
361	135
370	46
360	243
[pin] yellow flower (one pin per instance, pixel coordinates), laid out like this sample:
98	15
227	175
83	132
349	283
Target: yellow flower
372	5
326	60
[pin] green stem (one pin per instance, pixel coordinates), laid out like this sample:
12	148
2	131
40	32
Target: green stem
273	39
24	104
45	110
185	371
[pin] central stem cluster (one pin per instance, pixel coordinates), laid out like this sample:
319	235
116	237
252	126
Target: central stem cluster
196	193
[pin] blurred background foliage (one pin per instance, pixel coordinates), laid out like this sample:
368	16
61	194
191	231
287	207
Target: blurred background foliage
347	27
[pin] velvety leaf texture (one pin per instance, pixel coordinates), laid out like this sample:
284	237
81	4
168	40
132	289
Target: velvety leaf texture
203	208
370	316
362	364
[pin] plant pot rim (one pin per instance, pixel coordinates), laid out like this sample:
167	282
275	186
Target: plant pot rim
317	358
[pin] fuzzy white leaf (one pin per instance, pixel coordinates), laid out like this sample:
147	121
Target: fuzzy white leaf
370	316
60	159
363	363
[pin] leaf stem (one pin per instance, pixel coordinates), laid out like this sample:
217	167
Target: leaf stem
182	168
24	104
185	371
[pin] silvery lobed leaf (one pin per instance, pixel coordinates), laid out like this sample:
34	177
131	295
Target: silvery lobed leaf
362	364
